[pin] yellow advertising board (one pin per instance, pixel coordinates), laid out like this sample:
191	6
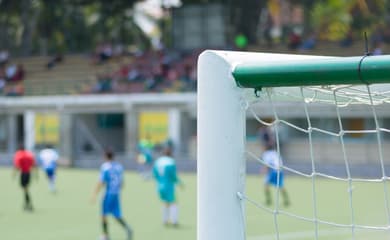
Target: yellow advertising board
153	125
47	128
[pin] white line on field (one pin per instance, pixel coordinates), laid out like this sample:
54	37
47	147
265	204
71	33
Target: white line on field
302	234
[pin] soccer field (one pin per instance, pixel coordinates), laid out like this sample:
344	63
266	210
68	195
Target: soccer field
69	215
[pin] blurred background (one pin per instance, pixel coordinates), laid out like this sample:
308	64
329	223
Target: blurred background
84	75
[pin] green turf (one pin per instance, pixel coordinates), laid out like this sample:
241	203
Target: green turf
69	215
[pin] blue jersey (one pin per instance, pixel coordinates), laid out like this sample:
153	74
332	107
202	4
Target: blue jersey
111	174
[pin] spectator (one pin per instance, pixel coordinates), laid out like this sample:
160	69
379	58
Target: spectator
14	90
19	75
55	60
133	74
378	45
15	73
103	53
4	57
122	73
347	41
103	84
2	79
309	43
10	71
294	40
241	41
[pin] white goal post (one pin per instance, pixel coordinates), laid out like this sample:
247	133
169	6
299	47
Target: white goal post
221	126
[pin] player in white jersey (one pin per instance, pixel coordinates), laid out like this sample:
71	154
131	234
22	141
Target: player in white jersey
164	171
48	158
274	175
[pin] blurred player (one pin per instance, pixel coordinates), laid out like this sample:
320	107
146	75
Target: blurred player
24	162
111	176
48	158
145	157
165	174
274	175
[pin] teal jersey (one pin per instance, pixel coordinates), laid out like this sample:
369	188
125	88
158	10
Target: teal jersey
164	172
145	147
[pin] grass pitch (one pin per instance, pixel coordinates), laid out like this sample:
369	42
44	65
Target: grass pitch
69	215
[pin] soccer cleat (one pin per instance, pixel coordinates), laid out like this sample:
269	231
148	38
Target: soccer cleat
28	208
129	234
175	225
104	237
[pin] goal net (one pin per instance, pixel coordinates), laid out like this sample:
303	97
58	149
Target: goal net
327	120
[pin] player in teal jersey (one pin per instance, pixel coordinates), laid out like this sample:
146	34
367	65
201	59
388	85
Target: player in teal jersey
164	171
111	176
145	157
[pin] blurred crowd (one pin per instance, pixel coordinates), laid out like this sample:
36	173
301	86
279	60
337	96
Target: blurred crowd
151	71
120	71
162	71
11	76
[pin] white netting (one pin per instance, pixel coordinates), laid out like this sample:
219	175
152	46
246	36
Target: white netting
351	121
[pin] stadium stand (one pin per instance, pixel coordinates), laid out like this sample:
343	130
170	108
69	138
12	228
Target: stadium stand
77	74
135	73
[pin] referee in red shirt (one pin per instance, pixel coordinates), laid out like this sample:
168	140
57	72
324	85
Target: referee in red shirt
24	162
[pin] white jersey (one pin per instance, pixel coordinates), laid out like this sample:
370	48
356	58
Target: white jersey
272	159
48	158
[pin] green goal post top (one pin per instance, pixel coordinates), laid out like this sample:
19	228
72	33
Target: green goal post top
328	71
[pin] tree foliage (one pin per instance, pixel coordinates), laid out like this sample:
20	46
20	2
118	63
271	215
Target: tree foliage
333	19
47	26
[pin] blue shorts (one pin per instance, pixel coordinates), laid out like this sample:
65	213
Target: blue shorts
50	172
111	205
167	194
272	178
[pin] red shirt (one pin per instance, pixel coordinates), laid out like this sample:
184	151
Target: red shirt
24	161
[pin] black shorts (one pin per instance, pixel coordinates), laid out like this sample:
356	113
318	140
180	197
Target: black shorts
25	179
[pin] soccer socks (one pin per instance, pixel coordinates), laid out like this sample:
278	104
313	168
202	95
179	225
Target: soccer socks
268	200
26	198
105	227
170	214
174	213
165	214
286	200
126	227
52	186
27	201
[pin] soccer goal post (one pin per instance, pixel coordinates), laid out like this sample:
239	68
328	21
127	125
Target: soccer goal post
221	120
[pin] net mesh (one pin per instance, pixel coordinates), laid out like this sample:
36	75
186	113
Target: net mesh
333	141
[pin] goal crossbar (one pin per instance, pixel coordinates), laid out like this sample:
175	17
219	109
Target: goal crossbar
328	71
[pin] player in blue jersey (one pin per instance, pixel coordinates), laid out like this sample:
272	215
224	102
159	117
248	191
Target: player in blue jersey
274	175
48	158
111	176
164	171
